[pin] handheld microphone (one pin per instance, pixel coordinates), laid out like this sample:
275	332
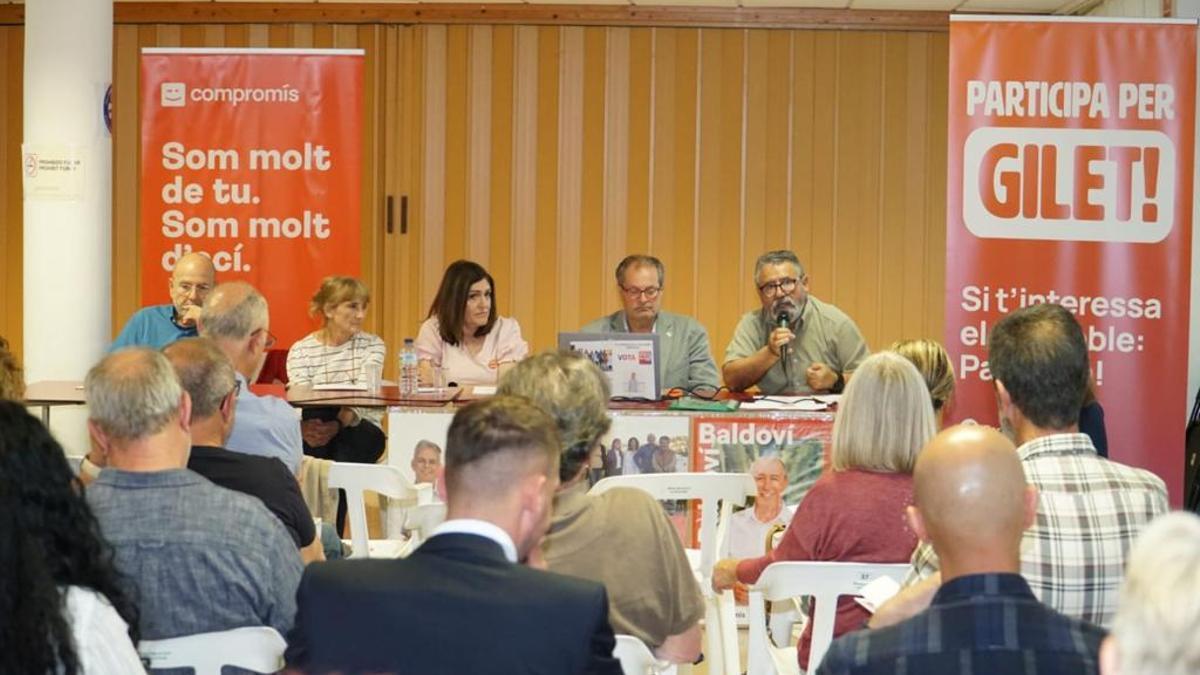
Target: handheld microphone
782	319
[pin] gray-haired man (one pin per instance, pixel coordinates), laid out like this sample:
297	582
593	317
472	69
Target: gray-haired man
199	558
795	343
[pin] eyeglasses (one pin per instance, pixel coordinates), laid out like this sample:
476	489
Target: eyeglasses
237	388
271	340
778	286
188	287
633	292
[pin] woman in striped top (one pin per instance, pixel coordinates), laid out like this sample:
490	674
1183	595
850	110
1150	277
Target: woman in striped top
340	352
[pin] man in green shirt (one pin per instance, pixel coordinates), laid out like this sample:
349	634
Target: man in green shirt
795	343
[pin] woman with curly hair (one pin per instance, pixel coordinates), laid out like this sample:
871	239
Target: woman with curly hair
61	610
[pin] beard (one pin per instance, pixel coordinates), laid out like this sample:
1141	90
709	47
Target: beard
787	304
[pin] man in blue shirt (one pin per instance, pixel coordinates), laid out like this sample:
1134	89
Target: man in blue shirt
972	503
159	325
236	319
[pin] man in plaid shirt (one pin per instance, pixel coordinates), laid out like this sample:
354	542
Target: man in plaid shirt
1089	510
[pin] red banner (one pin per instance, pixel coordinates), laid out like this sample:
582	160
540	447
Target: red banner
1070	181
254	157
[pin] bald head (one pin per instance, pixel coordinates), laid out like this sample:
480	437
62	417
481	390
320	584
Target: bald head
191	281
970	492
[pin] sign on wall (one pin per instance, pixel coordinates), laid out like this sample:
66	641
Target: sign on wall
253	157
1070	181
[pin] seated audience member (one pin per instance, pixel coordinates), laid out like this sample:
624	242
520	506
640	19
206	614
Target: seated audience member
463	602
208	378
464	338
236	319
341	352
855	511
1158	619
1090	509
160	325
933	363
750	527
61	607
687	361
822	344
621	538
12	376
972	504
426	462
195	557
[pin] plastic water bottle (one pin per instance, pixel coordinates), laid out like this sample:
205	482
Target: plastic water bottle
408	369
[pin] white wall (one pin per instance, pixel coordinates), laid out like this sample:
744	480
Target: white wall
1130	8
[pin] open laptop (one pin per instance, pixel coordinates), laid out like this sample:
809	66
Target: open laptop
630	361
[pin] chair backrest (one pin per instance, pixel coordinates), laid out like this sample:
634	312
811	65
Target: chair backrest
256	648
355	479
637	659
711	489
422	519
825	582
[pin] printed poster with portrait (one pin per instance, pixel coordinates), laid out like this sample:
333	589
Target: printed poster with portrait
730	444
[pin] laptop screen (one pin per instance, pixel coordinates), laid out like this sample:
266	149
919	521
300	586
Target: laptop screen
628	360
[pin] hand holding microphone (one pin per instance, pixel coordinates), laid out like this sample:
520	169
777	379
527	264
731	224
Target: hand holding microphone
780	339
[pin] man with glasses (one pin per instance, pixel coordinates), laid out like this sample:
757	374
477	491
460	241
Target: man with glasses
160	325
235	318
795	344
683	343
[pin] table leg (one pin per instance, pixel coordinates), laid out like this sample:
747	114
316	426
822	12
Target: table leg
46	416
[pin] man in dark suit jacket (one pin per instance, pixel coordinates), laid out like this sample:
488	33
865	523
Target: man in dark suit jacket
462	603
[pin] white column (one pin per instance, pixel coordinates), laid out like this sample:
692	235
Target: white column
68	67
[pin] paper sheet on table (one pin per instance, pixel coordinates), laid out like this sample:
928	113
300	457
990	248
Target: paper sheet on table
805	403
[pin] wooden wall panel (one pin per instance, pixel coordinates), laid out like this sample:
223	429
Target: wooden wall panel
12	45
705	147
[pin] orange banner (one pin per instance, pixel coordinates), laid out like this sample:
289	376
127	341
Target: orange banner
1070	181
253	157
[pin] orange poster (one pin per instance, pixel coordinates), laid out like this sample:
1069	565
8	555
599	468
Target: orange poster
1070	181
252	156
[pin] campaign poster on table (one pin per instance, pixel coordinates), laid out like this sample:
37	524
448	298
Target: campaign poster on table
731	444
650	443
252	156
1070	162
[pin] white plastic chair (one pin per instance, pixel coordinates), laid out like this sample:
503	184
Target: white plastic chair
825	582
386	480
637	659
257	648
420	521
710	489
